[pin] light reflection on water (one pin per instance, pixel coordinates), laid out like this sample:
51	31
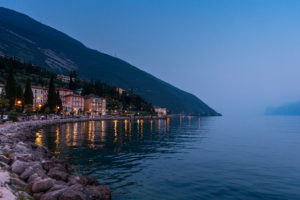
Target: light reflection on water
184	158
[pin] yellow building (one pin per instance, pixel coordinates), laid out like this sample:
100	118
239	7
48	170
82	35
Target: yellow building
40	95
94	105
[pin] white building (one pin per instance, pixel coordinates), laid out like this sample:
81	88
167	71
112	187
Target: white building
161	112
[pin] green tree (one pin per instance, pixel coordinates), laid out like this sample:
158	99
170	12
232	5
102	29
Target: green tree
19	93
28	95
51	102
10	86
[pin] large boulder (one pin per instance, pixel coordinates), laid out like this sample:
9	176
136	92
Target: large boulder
27	173
53	195
58	174
18	167
4	178
6	194
98	192
42	185
73	192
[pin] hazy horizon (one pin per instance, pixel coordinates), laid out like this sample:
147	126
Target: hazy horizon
236	56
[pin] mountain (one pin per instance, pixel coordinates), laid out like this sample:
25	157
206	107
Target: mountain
287	109
29	40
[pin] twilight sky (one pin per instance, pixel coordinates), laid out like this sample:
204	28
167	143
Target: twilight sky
237	56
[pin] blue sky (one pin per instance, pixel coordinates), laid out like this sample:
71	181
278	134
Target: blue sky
237	56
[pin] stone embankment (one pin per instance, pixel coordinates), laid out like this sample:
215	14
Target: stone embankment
29	171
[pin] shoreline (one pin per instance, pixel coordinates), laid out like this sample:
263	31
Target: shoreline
29	171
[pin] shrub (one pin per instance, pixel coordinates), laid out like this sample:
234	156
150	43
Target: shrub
13	116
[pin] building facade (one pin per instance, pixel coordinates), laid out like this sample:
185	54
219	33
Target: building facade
94	105
40	96
161	112
74	103
63	78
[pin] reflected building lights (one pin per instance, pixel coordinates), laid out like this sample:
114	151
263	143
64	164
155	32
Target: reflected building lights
159	125
142	122
57	137
115	127
68	135
168	124
151	125
102	128
74	134
125	127
38	139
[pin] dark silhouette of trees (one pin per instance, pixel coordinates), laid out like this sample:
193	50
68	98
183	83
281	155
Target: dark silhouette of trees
10	86
51	102
28	95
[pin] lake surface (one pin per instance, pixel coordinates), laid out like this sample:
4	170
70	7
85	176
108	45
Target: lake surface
185	158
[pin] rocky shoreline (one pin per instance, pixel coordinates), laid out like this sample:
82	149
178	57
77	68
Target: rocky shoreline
29	171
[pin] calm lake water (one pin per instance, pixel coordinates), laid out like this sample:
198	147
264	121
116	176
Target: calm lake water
187	158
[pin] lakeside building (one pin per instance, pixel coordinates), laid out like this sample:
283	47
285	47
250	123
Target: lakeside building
161	112
74	103
40	95
63	92
120	90
63	78
94	105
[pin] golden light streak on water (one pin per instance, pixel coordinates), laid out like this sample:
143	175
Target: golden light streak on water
142	129
74	134
138	126
90	130
159	125
68	135
57	137
168	124
151	125
125	127
115	127
102	128
38	139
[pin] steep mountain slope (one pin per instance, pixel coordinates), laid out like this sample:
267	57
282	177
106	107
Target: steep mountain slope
286	109
29	40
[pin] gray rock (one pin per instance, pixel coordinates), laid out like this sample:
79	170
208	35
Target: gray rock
53	195
47	165
58	174
27	173
22	147
98	192
37	196
18	167
42	185
73	192
4	159
4	165
4	178
18	182
6	194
